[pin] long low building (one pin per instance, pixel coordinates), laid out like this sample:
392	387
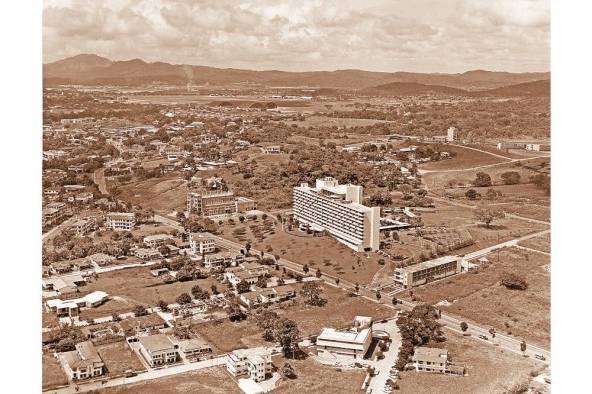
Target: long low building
338	210
72	307
352	343
427	271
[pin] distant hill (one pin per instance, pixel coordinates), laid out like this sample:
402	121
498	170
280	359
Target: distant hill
89	69
411	89
528	89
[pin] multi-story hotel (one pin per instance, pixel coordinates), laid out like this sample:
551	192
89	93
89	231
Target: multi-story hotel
337	209
211	202
422	273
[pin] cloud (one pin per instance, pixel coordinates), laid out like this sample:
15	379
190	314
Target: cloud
424	35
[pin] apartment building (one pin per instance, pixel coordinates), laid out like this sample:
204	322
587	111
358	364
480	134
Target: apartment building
158	349
422	273
120	221
254	363
426	359
452	134
211	202
221	260
84	362
338	210
84	226
201	243
351	343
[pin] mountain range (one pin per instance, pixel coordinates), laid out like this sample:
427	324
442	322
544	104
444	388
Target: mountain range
88	69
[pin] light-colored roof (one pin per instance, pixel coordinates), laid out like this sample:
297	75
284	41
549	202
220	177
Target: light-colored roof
430	263
430	354
192	344
347	339
156	343
252	352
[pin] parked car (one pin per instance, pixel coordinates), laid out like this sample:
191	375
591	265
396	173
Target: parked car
540	357
485	338
547	380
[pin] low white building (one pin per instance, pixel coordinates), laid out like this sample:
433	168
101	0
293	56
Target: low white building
351	343
254	363
158	349
72	307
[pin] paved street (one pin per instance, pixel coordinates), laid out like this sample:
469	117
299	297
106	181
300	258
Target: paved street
383	367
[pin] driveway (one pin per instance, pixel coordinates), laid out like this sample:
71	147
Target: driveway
383	367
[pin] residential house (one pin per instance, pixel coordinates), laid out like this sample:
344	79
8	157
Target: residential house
194	348
120	221
156	240
147	254
202	243
142	325
100	259
84	226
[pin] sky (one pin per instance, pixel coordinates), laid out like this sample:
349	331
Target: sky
447	36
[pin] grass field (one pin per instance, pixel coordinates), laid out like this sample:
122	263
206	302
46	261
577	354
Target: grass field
313	377
138	286
161	194
118	358
211	380
479	296
339	312
318	120
542	243
325	253
53	375
490	370
465	158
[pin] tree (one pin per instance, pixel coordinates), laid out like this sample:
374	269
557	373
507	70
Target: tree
115	316
395	301
262	282
523	347
243	286
357	287
162	305
487	215
286	332
305	268
247	248
312	292
472	194
464	326
183	298
378	295
139	310
510	178
337	281
492	332
318	273
513	282
482	180
288	372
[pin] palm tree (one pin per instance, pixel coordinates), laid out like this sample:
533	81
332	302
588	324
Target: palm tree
464	326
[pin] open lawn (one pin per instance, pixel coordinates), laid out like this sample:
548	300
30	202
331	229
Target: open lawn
53	374
455	176
542	243
138	286
325	253
211	380
313	377
478	296
465	158
489	370
108	308
161	194
319	120
339	312
118	358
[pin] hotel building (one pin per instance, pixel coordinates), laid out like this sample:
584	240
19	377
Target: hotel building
422	273
337	209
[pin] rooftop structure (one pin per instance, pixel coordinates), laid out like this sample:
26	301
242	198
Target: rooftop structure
422	273
352	343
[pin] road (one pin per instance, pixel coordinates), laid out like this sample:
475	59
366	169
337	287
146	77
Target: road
58	228
99	179
149	375
450	322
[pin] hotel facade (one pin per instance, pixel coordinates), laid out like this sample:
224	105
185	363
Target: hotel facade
338	210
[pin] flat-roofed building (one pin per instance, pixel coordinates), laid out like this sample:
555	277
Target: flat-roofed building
84	225
202	243
120	221
337	209
427	271
427	359
156	240
254	363
194	348
211	202
158	349
352	343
